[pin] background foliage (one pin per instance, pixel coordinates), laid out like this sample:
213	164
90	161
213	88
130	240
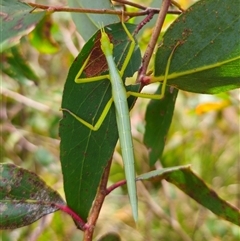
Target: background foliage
203	135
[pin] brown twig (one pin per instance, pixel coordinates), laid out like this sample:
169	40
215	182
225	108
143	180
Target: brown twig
136	5
115	185
176	4
96	11
78	220
152	43
94	213
144	21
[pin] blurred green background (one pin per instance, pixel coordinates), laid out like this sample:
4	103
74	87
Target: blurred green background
204	133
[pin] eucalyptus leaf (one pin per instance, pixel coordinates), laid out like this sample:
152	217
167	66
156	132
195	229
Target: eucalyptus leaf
187	181
208	58
16	20
87	24
110	237
24	197
158	120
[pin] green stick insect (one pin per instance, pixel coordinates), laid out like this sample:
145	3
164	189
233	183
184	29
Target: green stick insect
119	98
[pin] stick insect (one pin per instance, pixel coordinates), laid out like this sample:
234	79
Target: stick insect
119	98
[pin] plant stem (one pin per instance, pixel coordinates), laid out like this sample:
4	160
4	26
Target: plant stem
115	185
96	11
144	21
94	213
78	220
136	5
153	41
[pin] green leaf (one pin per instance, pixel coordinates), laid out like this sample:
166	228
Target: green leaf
161	173
24	197
158	120
16	20
187	181
85	153
208	59
110	237
41	37
15	65
87	24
